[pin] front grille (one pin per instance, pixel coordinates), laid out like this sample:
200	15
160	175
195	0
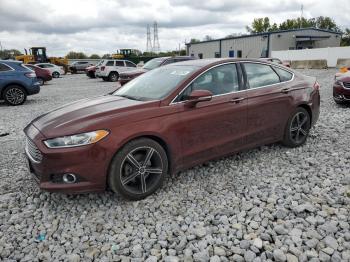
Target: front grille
346	84
32	151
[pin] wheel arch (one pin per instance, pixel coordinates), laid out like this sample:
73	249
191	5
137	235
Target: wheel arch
308	109
11	84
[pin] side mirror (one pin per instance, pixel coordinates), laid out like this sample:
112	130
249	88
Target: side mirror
198	96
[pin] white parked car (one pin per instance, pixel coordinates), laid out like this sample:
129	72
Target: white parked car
109	69
55	70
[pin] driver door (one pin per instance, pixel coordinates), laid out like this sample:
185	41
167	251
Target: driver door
217	127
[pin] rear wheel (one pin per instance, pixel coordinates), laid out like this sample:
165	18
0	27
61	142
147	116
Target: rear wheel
298	128
113	76
41	81
55	75
138	169
14	95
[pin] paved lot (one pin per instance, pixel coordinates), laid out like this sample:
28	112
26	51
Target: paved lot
271	203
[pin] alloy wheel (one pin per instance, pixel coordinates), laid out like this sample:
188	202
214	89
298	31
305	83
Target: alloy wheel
141	170
15	96
299	127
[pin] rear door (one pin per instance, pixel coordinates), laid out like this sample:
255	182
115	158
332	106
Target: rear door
269	103
216	127
6	75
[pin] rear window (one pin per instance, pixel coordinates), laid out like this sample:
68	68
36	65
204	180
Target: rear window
4	67
284	75
119	63
110	63
260	75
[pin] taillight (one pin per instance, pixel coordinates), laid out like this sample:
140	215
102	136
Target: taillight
103	68
30	75
316	86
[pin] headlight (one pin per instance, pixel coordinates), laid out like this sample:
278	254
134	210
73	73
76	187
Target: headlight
76	140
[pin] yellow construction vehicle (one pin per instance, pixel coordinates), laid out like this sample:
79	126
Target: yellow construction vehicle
38	55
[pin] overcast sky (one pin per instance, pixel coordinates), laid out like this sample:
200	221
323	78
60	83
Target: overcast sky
104	26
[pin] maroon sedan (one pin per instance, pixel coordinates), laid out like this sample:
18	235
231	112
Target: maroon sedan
42	74
125	77
341	87
167	120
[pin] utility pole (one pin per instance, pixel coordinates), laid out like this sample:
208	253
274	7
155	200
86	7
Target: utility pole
301	15
149	43
156	46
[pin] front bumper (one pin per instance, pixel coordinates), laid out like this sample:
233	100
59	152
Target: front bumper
89	163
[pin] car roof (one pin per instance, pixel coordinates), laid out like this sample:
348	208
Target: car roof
213	61
11	61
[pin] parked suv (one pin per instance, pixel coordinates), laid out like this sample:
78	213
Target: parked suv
75	67
151	64
16	82
109	70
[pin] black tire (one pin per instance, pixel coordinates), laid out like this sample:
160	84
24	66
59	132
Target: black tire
41	81
113	77
105	78
128	170
55	74
14	95
339	102
73	70
298	128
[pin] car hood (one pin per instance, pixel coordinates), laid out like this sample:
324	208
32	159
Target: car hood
134	72
343	76
87	114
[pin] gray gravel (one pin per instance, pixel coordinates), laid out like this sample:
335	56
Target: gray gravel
267	204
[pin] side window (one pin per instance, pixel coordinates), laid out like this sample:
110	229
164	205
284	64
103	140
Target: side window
168	61
110	63
119	63
260	75
129	64
4	68
219	80
284	75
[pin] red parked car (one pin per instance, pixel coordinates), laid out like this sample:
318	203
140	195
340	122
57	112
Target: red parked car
341	86
90	70
126	76
169	119
42	75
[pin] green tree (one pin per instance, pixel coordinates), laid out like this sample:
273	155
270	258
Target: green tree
345	40
76	55
259	25
194	40
208	38
9	53
95	56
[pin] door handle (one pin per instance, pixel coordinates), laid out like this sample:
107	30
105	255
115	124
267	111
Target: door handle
285	90
237	100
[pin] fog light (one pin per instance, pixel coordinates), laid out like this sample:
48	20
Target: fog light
69	178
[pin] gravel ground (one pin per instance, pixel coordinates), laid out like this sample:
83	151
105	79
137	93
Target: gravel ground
267	204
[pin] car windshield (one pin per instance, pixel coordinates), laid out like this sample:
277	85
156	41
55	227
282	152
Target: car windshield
156	84
154	63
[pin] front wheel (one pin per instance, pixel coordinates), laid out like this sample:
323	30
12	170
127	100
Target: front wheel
41	81
14	95
138	169
298	128
55	75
